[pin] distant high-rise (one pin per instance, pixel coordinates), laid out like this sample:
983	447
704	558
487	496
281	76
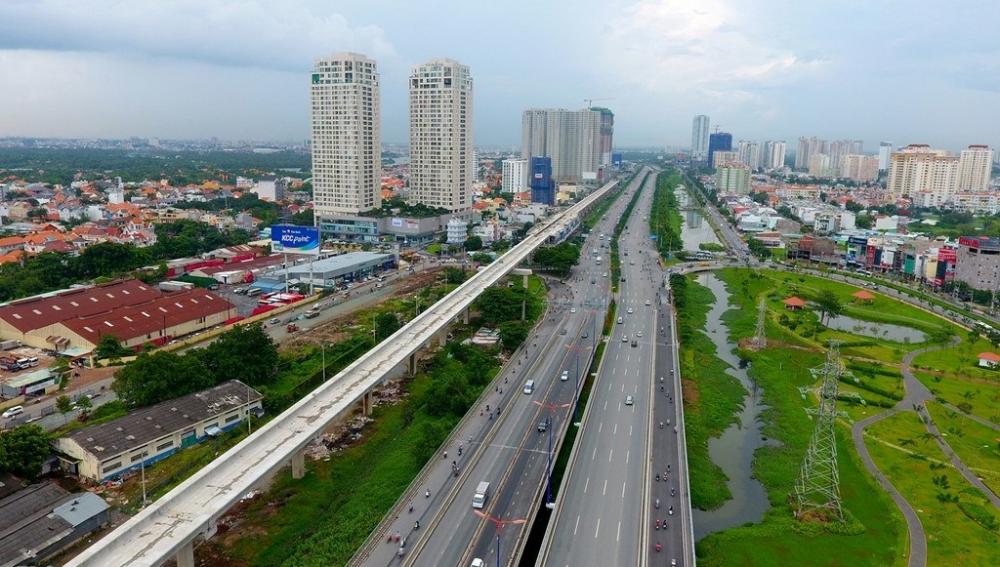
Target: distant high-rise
975	164
733	178
719	142
441	152
808	147
837	149
749	153
514	174
543	188
920	169
859	167
699	138
774	155
346	149
884	150
572	138
607	133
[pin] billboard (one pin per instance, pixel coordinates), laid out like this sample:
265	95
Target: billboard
288	239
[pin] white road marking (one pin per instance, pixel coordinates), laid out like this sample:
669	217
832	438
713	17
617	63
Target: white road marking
626	372
576	525
616	430
629	430
598	529
605	405
623	387
594	456
610	453
586	484
600	427
609	386
604	491
618	536
619	406
627	453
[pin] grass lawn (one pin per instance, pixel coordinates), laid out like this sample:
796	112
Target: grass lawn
712	397
779	539
976	445
978	398
962	359
953	538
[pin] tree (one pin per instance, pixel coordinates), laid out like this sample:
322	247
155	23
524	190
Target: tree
244	352
829	305
473	243
758	249
513	333
482	258
109	347
23	450
85	405
160	376
386	324
64	405
863	221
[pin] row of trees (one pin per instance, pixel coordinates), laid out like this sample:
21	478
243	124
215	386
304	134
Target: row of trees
23	450
50	271
664	219
245	353
558	259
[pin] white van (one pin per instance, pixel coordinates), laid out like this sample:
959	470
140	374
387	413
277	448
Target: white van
482	493
11	412
529	387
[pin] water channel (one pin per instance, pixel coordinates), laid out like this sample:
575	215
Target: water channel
732	451
887	331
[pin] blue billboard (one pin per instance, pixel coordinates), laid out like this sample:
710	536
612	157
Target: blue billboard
289	239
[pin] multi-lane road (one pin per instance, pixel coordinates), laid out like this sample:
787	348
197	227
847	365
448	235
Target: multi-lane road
606	510
501	437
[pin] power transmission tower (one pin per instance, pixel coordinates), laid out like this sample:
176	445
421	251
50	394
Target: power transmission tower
759	339
817	489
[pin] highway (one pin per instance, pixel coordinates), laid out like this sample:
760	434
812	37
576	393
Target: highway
606	507
505	447
167	528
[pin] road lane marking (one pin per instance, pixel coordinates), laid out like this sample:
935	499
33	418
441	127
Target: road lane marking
627	453
604	490
594	456
616	430
619	406
600	427
623	387
586	485
605	405
618	536
598	529
611	452
629	430
576	525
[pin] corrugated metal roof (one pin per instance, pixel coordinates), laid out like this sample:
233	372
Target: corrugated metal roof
29	314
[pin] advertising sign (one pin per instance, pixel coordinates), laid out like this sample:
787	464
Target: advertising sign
288	239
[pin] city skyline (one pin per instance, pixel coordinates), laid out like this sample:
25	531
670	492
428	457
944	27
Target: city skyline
757	77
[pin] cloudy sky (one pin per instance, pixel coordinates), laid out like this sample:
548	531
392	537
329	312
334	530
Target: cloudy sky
905	71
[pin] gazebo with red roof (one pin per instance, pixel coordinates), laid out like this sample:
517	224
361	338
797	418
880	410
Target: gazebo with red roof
989	359
794	303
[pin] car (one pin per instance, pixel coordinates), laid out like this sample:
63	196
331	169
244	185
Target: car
638	334
630	311
634	343
604	275
572	309
477	562
628	400
543	426
593	281
562	331
11	412
564	376
585	335
274	321
623	278
647	303
624	338
620	320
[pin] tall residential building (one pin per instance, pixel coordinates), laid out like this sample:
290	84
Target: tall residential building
607	134
720	157
975	164
808	147
819	165
699	138
918	168
837	149
441	150
749	153
346	149
774	155
884	151
514	175
733	178
857	167
719	142
572	138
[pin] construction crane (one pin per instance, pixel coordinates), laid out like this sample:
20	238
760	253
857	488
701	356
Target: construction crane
590	101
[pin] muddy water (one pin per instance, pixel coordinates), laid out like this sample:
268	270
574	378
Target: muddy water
695	229
733	450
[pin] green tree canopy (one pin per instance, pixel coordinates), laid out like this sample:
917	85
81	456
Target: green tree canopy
829	305
23	450
160	376
245	353
385	325
473	243
109	347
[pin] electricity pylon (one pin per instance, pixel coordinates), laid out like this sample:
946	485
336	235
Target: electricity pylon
759	339
818	486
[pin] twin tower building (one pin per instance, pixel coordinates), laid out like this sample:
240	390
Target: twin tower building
346	143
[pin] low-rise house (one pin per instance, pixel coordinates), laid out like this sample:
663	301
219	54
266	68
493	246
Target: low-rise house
147	435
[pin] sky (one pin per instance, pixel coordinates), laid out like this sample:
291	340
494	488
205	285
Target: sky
912	71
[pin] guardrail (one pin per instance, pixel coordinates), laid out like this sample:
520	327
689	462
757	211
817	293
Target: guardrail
170	525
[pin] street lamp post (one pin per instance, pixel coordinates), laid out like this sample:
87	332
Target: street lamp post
499	523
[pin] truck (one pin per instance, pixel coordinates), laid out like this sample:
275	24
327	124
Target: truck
481	495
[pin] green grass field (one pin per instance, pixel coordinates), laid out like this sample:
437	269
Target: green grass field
916	468
978	398
975	444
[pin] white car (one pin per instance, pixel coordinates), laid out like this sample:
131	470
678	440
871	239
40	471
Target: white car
647	303
572	310
624	338
629	310
628	400
565	375
638	334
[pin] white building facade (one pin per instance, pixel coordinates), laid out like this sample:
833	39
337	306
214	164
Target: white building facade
441	152
514	175
346	144
699	138
975	164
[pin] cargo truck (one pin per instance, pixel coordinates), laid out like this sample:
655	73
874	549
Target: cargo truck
481	495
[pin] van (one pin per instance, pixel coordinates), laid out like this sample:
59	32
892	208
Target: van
529	387
33	361
620	320
481	495
11	412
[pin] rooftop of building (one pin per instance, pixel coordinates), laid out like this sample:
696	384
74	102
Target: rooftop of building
40	311
36	517
154	422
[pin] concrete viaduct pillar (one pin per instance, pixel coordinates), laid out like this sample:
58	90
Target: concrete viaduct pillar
366	404
298	464
413	364
185	555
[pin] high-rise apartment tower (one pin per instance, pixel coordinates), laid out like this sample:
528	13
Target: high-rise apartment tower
699	138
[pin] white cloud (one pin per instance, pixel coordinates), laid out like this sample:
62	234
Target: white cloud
285	35
668	46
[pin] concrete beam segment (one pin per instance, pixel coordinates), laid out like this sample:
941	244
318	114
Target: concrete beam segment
185	555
